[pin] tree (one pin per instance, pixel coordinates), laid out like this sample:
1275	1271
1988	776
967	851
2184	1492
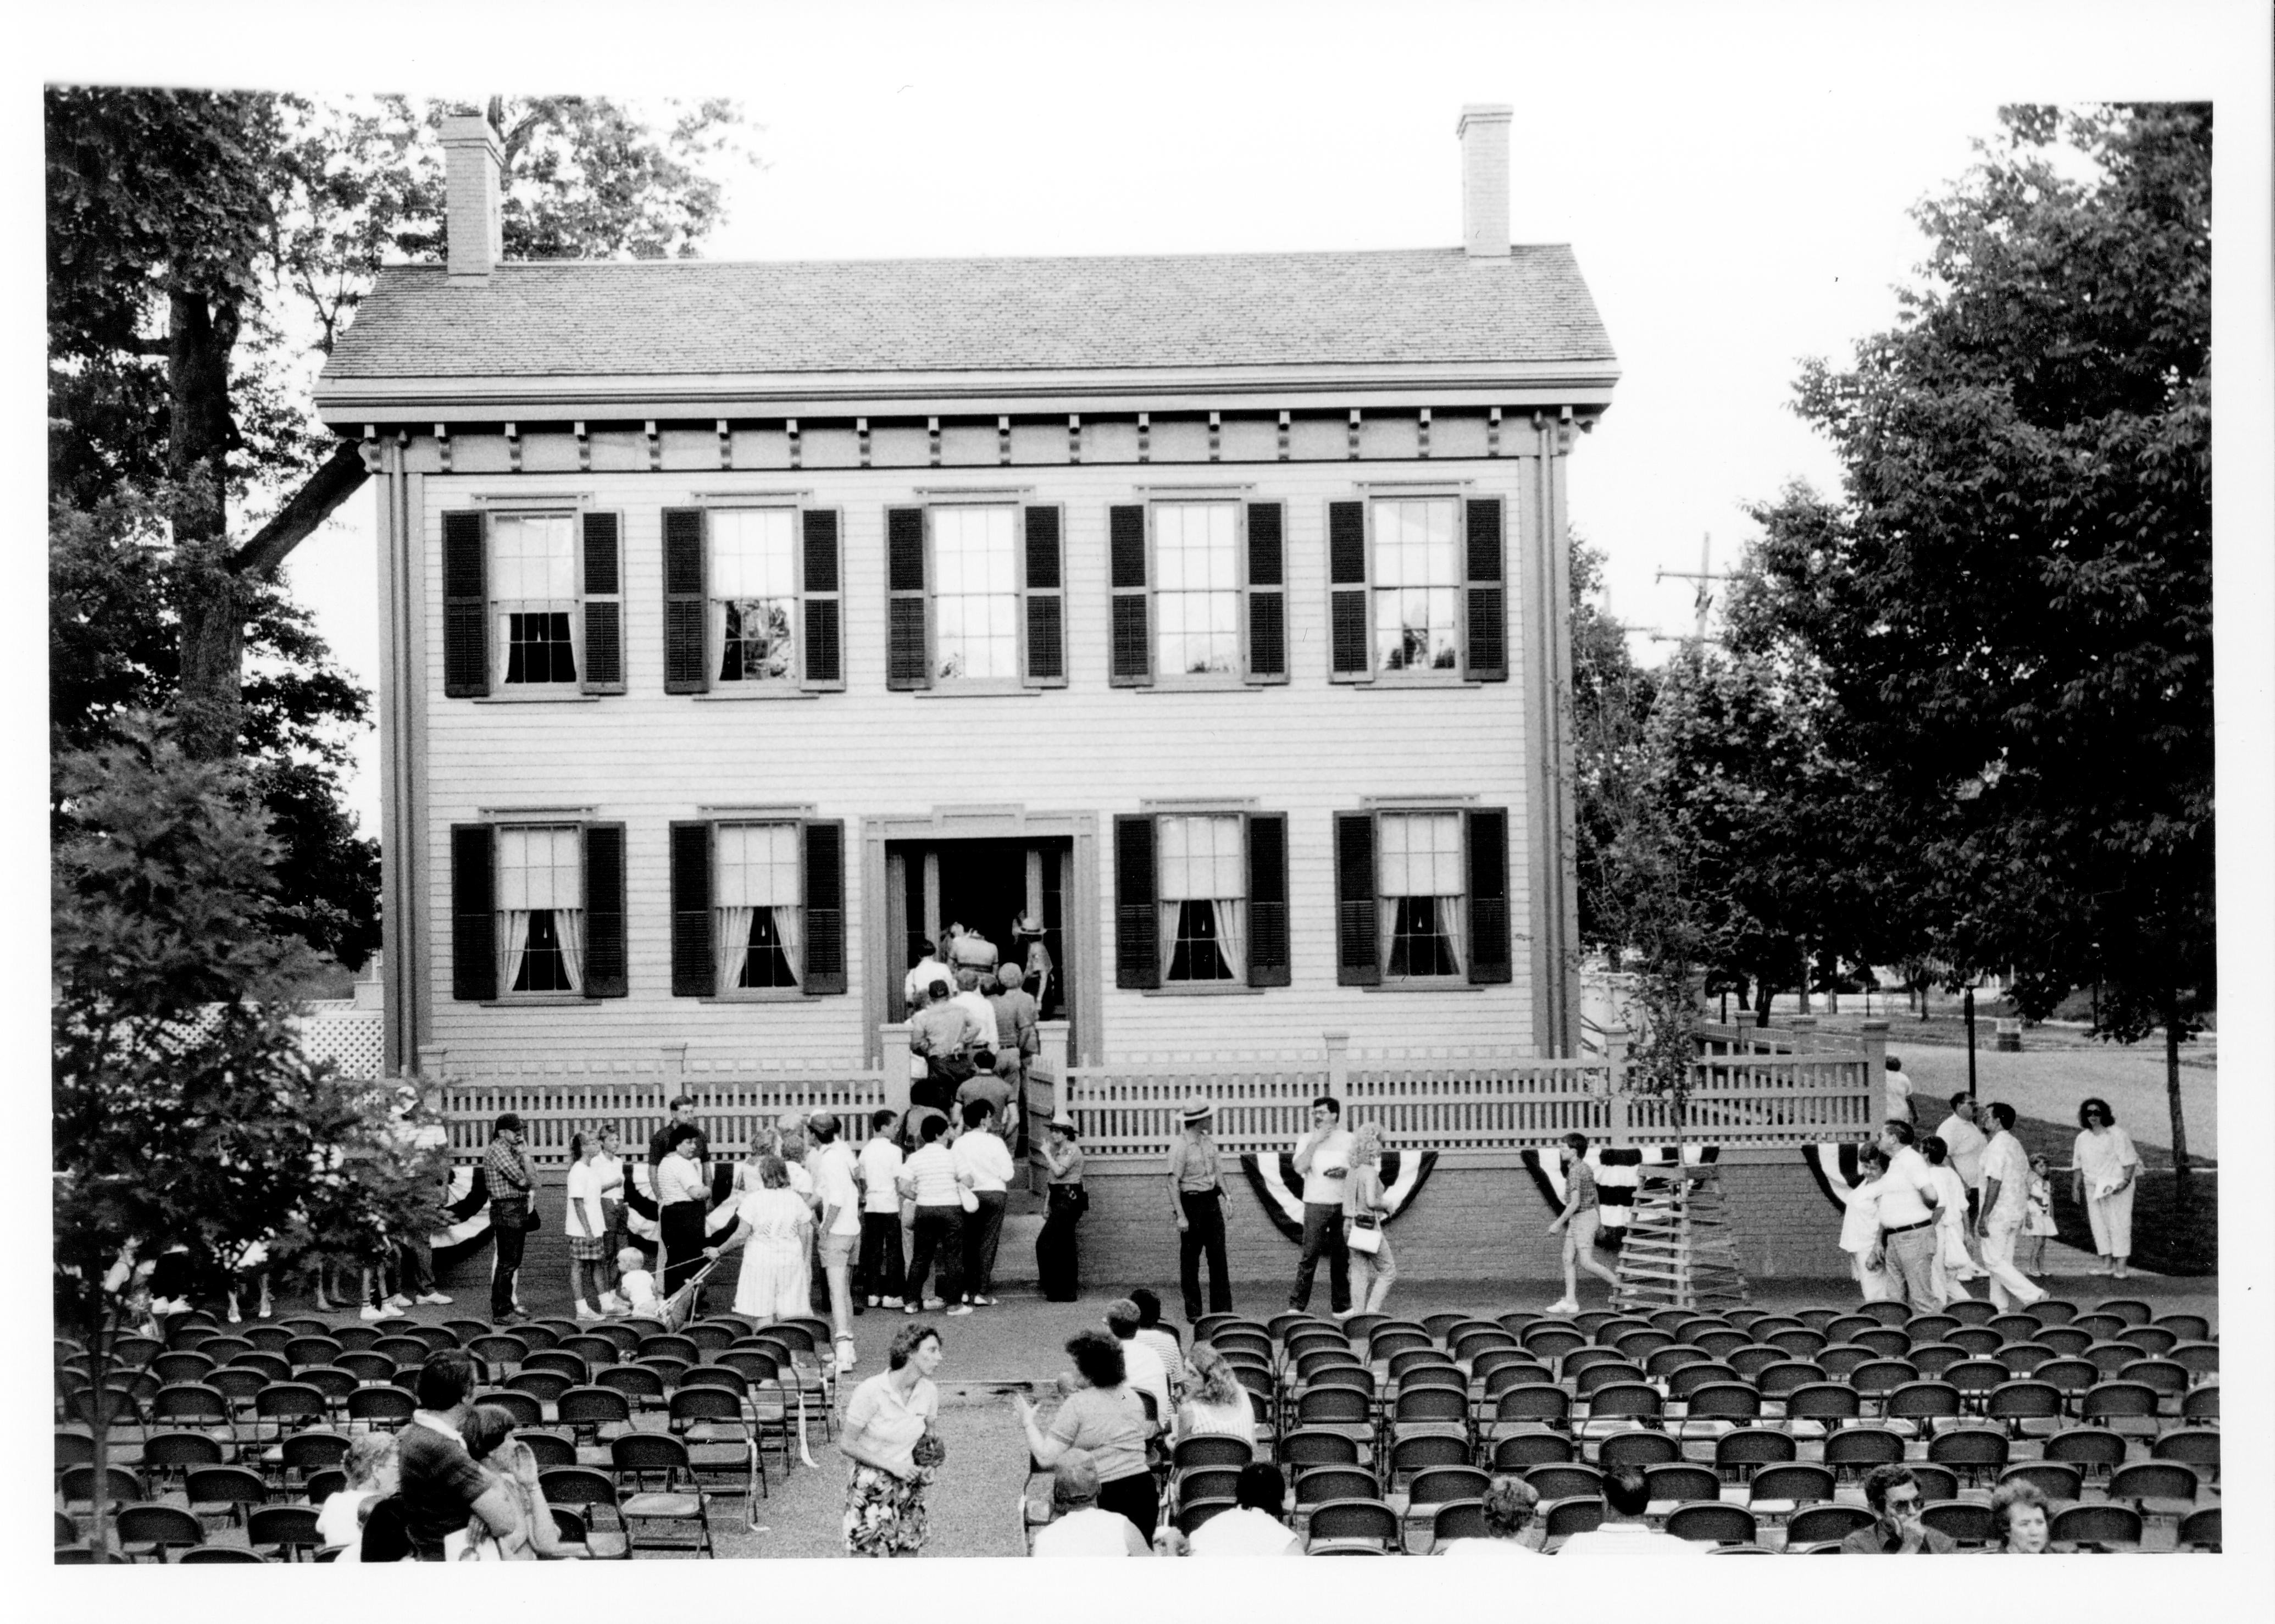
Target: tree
2011	602
186	1122
200	246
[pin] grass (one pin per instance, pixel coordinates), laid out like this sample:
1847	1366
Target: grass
2169	1237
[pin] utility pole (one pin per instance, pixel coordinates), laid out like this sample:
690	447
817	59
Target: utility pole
1967	1007
1703	597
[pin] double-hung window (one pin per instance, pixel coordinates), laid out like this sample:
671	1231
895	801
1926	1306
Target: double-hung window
1201	899
751	605
537	911
758	907
1199	594
532	604
975	599
1417	590
1422	896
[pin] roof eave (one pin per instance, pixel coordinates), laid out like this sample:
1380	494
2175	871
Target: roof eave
346	404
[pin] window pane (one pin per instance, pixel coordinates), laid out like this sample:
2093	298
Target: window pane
533	585
540	868
1416	572
1196	593
1202	857
758	866
974	595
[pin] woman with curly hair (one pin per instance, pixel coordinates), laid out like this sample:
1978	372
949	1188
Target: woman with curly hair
1215	1403
2101	1180
1100	1413
777	1228
891	1438
2019	1515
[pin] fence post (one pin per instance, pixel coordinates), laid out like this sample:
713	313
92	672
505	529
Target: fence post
674	1059
1804	1034
431	1060
1338	1067
894	1043
1616	1040
1875	1037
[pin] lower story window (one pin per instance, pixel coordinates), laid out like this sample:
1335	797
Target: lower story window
540	910
1422	896
1204	899
760	907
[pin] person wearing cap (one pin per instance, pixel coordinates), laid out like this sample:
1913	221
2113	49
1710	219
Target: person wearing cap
1017	1042
1197	1205
1057	1261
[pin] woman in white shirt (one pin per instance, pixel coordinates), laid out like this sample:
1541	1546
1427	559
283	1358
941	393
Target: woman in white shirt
2105	1165
888	1437
587	1226
778	1226
372	1467
1215	1403
1952	1262
929	1178
609	1178
681	1201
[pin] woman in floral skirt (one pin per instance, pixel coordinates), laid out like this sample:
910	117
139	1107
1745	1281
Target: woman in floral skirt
892	1440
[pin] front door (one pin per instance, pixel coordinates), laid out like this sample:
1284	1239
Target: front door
986	886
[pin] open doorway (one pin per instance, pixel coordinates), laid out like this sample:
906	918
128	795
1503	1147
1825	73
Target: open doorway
988	886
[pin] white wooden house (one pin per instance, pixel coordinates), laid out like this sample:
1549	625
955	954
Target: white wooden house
745	623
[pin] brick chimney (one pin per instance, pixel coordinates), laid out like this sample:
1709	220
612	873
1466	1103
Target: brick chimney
473	158
1484	134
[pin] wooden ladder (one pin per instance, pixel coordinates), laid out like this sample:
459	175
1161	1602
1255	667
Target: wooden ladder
1677	1252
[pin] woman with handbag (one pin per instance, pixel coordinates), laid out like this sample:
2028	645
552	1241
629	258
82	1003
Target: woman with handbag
1366	1207
1057	1261
893	1441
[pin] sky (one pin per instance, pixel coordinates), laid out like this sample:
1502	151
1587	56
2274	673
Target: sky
1736	185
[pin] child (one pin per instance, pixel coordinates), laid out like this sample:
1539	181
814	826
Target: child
2040	1223
1579	1221
371	1466
638	1285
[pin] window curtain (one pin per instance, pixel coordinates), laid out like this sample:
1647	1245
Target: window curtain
714	620
569	928
734	943
1451	911
790	931
517	946
1232	934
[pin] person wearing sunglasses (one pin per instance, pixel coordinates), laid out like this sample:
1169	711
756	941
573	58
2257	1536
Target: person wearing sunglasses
1896	1500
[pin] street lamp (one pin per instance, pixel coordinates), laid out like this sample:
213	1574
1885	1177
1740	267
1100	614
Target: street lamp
1967	1004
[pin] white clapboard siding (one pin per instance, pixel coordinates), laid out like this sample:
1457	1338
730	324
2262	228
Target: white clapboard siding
1308	749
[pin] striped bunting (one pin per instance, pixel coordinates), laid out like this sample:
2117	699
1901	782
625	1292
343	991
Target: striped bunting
467	1211
1835	1169
1617	1170
1279	1187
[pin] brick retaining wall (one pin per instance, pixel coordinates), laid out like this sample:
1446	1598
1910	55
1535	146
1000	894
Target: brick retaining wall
1480	1217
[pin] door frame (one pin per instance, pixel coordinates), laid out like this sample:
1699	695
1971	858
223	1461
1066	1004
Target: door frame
1078	902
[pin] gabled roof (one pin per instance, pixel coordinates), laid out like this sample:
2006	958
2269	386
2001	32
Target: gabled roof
692	317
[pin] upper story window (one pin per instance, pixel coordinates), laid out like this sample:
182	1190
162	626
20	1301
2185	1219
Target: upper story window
751	603
1422	896
975	597
537	908
1416	589
975	594
1199	592
754	596
532	604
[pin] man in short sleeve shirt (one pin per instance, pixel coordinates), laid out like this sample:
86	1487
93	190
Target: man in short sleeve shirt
441	1486
1907	1211
1324	1159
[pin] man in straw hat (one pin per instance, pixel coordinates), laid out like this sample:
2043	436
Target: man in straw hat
1196	1202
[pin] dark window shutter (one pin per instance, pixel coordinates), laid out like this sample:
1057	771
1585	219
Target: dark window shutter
466	608
684	666
1488	844
1136	943
1347	588
1267	899
604	604
605	965
907	662
1359	953
1132	641
473	915
825	906
1267	595
824	606
1486	658
1046	599
694	974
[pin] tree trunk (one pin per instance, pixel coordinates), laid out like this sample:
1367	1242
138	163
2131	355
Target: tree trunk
2181	1187
200	336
